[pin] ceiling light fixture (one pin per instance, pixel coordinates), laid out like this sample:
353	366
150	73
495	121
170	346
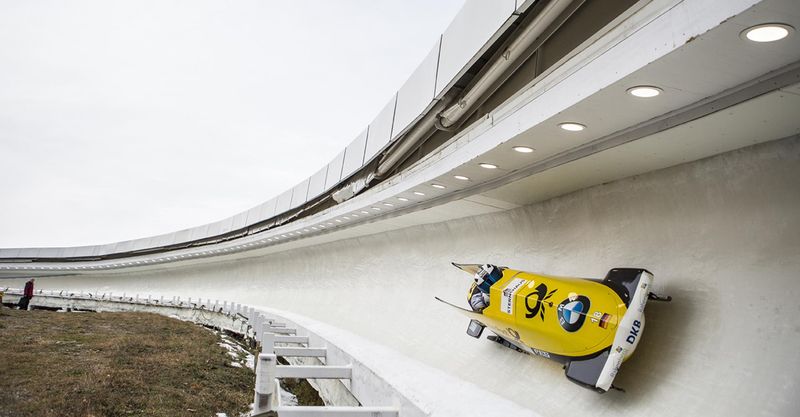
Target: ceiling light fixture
487	165
388	204
439	186
376	209
523	149
364	212
461	177
572	126
644	91
418	193
403	199
768	32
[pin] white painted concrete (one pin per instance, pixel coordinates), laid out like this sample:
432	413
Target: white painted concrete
721	235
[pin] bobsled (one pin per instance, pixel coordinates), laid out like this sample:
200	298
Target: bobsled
591	326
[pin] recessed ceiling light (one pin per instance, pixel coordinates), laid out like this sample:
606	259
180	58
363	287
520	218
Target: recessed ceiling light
283	235
338	220
418	193
487	165
364	212
354	215
523	149
376	209
439	186
306	230
346	218
402	199
461	177
388	204
322	226
571	126
330	224
769	32
314	228
644	91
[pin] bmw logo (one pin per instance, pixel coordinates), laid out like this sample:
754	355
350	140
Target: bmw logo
572	312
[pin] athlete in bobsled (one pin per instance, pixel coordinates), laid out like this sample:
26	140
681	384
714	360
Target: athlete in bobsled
479	291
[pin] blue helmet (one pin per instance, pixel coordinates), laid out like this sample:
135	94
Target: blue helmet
486	276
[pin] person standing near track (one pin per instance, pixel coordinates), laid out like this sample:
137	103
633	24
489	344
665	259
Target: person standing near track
26	295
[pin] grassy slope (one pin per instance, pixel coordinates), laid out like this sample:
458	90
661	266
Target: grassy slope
114	364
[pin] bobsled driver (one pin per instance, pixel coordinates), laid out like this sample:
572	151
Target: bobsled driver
479	291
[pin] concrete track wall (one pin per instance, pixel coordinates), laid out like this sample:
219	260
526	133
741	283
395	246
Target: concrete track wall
721	235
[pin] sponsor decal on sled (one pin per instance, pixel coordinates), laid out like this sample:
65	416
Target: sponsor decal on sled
509	292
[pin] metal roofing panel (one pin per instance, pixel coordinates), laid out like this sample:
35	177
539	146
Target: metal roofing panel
299	193
354	154
239	220
380	130
416	95
47	252
469	32
124	246
316	185
227	225
214	229
335	170
107	249
183	236
284	202
199	232
268	209
140	244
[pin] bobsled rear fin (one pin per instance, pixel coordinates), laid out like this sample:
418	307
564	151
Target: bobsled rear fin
586	373
471	269
624	282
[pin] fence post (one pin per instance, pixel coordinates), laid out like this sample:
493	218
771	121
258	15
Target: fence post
267	340
265	382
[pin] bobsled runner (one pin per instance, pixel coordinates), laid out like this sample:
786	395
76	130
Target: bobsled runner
591	326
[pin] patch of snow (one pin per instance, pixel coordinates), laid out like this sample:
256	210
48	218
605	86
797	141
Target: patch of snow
287	398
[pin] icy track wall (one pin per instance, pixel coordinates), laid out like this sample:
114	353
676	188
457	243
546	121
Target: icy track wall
721	235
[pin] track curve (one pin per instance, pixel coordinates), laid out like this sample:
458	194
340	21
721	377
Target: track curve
721	235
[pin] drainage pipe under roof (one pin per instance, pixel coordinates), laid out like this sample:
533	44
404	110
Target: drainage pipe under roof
513	52
445	119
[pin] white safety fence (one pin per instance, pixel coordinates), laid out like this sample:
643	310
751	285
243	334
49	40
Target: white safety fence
332	373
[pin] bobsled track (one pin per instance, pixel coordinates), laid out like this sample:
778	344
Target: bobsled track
702	188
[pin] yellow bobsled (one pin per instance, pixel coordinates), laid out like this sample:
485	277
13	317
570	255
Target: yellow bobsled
591	326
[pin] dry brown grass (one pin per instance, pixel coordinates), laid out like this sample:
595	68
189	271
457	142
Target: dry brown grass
115	364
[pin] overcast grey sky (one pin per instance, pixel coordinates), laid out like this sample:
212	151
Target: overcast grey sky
126	119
